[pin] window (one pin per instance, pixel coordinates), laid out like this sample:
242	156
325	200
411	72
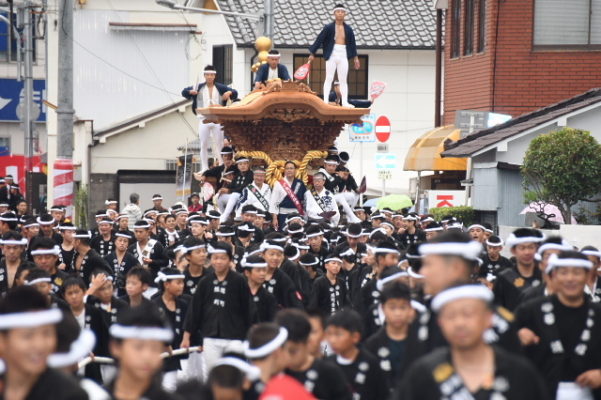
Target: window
222	61
455	31
481	25
8	40
571	23
468	29
356	79
5	146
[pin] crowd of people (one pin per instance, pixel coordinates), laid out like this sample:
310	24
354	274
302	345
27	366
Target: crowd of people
265	299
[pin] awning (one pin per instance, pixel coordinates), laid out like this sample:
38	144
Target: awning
424	154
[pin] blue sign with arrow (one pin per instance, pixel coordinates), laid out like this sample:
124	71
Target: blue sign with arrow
12	93
386	161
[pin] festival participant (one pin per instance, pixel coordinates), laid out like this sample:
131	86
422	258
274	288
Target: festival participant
287	196
411	233
593	288
318	246
477	232
329	291
13	247
101	295
103	242
137	341
221	308
321	203
27	339
271	70
277	282
86	259
173	307
335	97
230	196
207	94
45	256
523	243
149	252
447	260
338	41
323	379
361	369
389	343
255	271
469	368
493	262
258	193
560	332
121	261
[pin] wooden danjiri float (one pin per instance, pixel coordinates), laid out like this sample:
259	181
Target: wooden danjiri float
284	121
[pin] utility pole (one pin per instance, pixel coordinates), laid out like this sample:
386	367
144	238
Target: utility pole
63	167
268	16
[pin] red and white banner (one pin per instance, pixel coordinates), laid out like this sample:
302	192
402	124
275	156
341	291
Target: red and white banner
63	184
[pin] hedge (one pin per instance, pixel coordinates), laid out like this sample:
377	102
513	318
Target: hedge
463	213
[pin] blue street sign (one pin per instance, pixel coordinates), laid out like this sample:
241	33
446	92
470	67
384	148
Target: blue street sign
11	93
386	161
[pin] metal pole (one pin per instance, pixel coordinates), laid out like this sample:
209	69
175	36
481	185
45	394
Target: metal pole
438	84
361	171
65	110
185	167
28	98
268	23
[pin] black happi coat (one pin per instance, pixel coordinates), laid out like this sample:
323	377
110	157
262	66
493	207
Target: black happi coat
510	284
566	327
221	309
324	379
91	261
120	269
433	377
327	297
364	376
266	305
283	289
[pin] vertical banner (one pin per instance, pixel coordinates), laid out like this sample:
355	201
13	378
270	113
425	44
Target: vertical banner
63	184
183	176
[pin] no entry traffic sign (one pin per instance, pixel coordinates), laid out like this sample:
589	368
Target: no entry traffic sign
383	128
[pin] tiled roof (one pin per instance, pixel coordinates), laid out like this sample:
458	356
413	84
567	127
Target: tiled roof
384	24
486	137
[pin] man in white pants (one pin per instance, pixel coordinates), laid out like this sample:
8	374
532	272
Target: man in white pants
334	183
228	197
207	94
338	41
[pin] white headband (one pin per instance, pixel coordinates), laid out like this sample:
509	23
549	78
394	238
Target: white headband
380	283
78	350
156	198
556	262
162	277
513	240
252	372
139	332
123	235
474	226
462	292
563	246
592	253
268	347
107	202
309	264
225	234
293	231
54	251
147	226
45	222
327	260
438	228
30	319
246	264
87	235
213	250
67	228
192	248
339	9
38	280
22	242
31	224
6	219
209	71
320	233
488	242
268	246
413	274
470	250
417	306
385	250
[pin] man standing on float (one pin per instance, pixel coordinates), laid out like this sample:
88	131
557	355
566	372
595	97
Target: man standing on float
338	41
207	94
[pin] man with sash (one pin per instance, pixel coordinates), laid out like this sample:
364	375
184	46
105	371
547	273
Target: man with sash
469	368
258	193
560	333
149	252
321	202
334	183
230	196
220	176
287	196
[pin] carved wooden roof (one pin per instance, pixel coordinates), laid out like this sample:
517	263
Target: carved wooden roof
285	121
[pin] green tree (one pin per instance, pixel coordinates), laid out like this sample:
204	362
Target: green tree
562	168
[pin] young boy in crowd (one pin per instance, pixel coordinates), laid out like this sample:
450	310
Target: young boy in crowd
493	262
317	344
361	368
100	295
221	308
40	280
278	282
323	379
255	270
137	341
329	291
388	343
196	256
88	317
173	306
137	282
27	339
